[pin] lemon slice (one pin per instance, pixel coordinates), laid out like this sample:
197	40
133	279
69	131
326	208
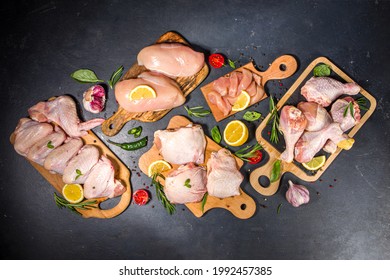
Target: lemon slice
316	163
235	133
242	102
73	193
142	92
158	166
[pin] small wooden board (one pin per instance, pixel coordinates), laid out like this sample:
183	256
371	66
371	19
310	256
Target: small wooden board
121	172
187	84
281	68
241	206
274	154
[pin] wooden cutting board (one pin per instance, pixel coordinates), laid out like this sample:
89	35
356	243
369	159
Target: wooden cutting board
187	84
281	68
121	172
296	168
241	206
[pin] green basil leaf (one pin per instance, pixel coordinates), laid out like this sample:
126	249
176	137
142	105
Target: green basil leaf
187	183
275	174
251	116
50	145
216	135
322	70
115	77
85	76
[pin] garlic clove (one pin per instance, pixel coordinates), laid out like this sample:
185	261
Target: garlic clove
297	195
94	99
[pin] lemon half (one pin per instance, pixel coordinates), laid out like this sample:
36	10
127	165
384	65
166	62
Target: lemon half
235	133
142	92
242	101
73	193
315	164
158	166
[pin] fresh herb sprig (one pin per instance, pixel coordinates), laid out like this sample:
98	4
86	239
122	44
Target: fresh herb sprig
197	111
275	173
216	134
274	118
204	200
251	116
322	70
187	183
50	145
116	75
79	173
248	152
349	108
362	102
63	203
171	208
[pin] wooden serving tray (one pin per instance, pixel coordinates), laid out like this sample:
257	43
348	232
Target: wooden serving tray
121	172
282	67
242	206
187	84
274	154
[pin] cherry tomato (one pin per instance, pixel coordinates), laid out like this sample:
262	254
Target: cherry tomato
141	197
257	158
216	60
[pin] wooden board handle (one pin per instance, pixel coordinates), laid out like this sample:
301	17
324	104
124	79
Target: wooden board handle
114	124
265	170
282	67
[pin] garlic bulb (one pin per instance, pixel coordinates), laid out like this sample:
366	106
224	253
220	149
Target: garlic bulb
297	195
94	99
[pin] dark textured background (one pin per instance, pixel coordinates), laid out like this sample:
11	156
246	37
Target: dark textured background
44	41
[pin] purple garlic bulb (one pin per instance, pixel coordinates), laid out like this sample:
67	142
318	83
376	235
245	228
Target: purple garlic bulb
297	195
94	99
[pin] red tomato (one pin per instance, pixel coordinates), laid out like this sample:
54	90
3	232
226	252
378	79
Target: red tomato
257	158
141	197
216	60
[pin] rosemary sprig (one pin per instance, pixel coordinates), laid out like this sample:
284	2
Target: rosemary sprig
197	111
245	155
349	108
161	194
274	118
204	200
63	203
362	103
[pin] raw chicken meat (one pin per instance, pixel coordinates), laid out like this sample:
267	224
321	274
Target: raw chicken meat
316	115
222	103
57	160
312	142
181	145
347	122
292	124
79	167
168	93
28	132
171	59
223	177
63	112
42	148
176	189
101	182
324	90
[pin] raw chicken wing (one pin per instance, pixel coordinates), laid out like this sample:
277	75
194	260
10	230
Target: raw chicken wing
223	177
181	145
316	115
324	90
176	189
171	59
63	112
292	124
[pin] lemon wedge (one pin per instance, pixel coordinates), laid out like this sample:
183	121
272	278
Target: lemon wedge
315	164
235	133
158	166
142	92
73	193
242	102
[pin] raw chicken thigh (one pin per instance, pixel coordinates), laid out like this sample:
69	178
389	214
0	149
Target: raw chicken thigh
78	168
57	160
29	132
42	148
292	124
316	115
223	177
324	90
171	59
101	182
181	145
168	93
62	111
312	142
176	189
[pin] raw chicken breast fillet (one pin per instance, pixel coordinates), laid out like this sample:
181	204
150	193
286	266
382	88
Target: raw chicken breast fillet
176	190
168	93
181	145
171	59
223	177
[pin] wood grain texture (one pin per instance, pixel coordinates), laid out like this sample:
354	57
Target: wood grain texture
121	172
187	84
241	206
281	68
274	154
